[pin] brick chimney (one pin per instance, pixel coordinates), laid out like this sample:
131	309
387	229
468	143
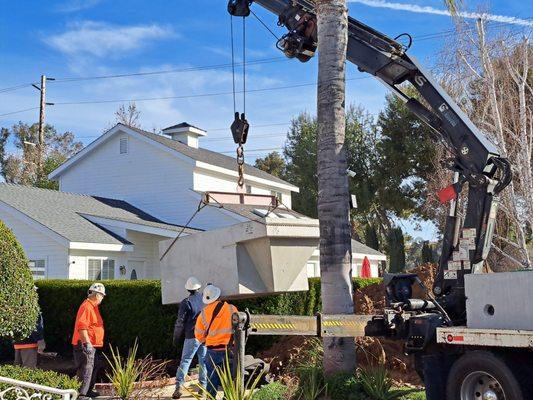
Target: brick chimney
185	133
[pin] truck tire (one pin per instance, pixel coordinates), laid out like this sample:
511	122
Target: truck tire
481	375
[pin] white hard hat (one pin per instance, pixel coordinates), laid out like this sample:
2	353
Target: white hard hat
97	287
193	283
211	294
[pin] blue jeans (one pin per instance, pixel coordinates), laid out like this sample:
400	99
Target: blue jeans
213	359
190	348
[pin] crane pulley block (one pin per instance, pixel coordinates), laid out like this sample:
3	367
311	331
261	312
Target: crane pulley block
239	128
239	8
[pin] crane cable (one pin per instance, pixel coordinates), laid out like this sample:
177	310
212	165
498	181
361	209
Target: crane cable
239	127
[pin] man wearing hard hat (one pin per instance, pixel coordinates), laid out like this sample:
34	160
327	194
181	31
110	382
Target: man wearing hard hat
214	329
188	312
88	339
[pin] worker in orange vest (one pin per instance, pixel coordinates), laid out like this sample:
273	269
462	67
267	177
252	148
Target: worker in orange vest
214	329
88	338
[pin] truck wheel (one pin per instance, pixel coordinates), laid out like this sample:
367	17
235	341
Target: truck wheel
480	375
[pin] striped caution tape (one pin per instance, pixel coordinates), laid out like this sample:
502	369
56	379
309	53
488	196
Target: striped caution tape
341	323
260	325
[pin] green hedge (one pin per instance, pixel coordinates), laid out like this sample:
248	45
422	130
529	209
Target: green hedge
18	311
133	309
38	376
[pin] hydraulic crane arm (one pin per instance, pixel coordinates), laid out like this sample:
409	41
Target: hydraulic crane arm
476	162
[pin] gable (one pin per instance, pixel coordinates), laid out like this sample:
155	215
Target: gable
194	156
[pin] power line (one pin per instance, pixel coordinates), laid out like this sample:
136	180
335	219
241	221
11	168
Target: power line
19	111
17	87
193	95
223	129
254	150
148	73
172	71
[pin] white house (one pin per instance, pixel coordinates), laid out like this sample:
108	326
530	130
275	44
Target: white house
123	194
76	236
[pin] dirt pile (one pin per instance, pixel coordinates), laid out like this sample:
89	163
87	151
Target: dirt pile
286	351
371	299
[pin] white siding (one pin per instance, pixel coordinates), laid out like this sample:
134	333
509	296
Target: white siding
146	253
148	178
39	246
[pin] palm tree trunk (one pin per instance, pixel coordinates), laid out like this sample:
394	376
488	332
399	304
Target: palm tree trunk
333	195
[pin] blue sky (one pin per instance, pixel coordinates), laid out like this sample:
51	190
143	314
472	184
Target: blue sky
81	38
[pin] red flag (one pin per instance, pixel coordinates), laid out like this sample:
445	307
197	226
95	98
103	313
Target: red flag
365	269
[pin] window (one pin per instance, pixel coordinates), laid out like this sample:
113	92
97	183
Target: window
248	189
124	146
101	269
264	213
276	194
37	268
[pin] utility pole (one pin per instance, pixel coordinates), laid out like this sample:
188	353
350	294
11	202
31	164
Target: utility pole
42	107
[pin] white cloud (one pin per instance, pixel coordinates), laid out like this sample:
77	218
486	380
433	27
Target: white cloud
76	5
100	40
436	11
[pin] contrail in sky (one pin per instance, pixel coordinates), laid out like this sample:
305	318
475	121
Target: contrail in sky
431	10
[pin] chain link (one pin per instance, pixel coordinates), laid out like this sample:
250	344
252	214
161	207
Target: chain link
240	164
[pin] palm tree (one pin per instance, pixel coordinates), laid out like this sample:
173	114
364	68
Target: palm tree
333	195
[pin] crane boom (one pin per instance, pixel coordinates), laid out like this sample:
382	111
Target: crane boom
476	162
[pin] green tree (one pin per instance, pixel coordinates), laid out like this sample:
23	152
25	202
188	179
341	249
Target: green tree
300	153
406	149
371	237
22	169
273	163
427	255
396	250
18	299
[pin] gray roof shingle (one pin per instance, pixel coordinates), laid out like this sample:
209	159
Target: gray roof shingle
208	156
64	213
358	247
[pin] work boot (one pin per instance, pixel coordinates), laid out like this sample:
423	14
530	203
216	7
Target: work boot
176	394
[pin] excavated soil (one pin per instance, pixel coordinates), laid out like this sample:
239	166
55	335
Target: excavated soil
370	351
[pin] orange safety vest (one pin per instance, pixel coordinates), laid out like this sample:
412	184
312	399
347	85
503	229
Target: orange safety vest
221	329
89	318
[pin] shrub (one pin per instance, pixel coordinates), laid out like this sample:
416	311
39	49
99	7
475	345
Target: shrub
126	371
343	386
38	376
19	311
272	391
377	385
231	385
133	310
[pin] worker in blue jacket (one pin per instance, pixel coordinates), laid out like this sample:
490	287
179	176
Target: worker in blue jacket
26	350
188	312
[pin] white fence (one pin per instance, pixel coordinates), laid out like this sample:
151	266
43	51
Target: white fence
21	391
